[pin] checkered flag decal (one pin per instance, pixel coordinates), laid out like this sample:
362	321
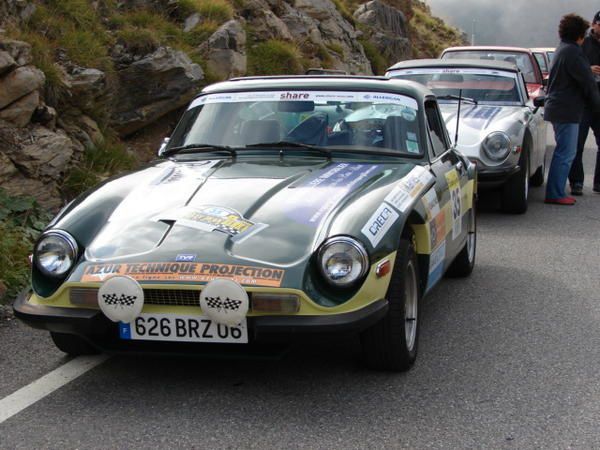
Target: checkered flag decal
122	301
227	304
229	230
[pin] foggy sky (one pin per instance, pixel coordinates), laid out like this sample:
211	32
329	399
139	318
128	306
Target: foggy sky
523	23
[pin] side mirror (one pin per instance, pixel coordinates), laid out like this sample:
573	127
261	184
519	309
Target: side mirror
163	146
538	102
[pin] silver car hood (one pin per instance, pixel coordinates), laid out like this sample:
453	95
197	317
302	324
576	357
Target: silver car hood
477	121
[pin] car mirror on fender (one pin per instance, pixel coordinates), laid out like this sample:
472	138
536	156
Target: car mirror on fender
163	146
539	102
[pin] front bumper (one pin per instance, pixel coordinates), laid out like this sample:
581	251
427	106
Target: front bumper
492	177
103	334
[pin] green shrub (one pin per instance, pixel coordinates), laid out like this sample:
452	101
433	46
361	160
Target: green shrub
219	11
200	33
274	58
139	41
378	62
21	221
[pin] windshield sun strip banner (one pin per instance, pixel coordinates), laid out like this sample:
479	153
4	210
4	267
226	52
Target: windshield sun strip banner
456	70
185	272
306	95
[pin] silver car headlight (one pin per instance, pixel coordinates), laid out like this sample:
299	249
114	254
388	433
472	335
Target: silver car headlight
55	253
343	261
496	146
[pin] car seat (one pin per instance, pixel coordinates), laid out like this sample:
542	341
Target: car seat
312	131
260	131
395	133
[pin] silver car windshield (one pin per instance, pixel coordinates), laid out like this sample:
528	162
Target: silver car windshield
521	60
484	86
335	120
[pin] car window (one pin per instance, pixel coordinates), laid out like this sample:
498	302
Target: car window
436	127
521	60
483	85
335	119
541	61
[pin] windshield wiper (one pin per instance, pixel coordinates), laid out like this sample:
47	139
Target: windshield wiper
199	148
283	144
456	97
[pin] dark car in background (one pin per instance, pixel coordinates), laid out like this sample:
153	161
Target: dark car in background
523	58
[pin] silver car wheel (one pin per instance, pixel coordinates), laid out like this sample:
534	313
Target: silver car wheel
410	306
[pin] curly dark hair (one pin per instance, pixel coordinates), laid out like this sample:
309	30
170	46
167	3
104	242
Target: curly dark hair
572	27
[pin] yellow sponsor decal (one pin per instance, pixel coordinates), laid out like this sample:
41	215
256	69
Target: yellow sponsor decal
455	202
186	272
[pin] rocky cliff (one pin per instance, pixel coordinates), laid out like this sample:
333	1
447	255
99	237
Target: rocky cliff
78	77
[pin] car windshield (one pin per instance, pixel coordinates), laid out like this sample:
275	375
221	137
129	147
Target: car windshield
330	120
481	85
521	60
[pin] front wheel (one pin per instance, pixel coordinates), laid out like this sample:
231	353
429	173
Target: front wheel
391	344
537	178
515	191
463	264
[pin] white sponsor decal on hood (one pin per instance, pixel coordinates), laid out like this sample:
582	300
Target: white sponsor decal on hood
409	188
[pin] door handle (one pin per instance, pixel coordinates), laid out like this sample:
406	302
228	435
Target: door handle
459	166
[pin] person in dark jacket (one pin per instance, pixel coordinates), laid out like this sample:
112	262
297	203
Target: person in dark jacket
571	85
591	49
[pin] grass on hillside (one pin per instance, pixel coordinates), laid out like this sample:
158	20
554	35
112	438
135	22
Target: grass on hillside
21	221
274	57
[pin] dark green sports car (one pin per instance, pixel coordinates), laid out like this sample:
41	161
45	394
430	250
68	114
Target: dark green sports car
280	207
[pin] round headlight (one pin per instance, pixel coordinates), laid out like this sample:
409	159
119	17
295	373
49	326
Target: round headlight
55	253
496	146
343	261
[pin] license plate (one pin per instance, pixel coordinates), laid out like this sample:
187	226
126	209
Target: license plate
172	327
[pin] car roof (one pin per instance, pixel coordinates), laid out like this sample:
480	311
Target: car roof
326	82
543	49
488	47
474	63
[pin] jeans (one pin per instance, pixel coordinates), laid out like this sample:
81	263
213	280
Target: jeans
565	135
589	120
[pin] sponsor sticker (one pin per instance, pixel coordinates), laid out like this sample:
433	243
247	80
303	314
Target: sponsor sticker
379	223
186	272
409	188
312	200
431	203
437	229
455	202
317	96
436	265
214	218
186	257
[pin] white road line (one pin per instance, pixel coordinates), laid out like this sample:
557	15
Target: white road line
40	388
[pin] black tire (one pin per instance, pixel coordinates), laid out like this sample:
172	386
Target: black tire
72	344
463	264
538	177
515	191
391	344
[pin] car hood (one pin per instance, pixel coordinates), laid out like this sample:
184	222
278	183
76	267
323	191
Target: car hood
238	212
477	121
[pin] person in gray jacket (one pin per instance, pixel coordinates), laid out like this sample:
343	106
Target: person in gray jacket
571	86
591	49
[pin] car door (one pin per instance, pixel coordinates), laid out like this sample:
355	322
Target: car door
537	127
449	228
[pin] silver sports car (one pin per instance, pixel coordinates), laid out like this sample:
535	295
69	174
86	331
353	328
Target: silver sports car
500	128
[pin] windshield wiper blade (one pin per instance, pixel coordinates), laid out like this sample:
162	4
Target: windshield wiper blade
456	97
284	144
193	148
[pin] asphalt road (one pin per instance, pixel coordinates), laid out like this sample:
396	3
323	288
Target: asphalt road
509	358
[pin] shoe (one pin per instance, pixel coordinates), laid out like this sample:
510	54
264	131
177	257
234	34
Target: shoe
566	201
576	189
596	188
